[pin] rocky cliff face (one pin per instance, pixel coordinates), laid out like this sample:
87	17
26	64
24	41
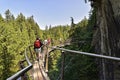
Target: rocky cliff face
107	36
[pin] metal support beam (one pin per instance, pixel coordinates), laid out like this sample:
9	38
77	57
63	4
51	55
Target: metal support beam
63	63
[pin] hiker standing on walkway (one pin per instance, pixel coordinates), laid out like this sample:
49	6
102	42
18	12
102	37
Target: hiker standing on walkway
49	41
37	48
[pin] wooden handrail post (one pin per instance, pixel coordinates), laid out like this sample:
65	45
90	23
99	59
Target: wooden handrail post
63	62
21	64
46	66
31	54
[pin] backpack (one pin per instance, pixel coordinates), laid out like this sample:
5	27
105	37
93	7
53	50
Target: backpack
37	44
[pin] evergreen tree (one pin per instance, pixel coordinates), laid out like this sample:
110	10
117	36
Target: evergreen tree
8	15
16	35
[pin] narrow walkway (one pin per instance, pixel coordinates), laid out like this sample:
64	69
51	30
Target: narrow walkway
37	71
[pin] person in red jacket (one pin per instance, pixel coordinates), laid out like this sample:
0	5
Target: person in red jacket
37	48
48	40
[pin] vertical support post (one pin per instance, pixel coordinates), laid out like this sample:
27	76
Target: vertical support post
31	54
21	64
63	61
46	62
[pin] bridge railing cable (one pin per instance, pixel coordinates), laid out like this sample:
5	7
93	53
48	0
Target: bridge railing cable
88	54
61	76
24	70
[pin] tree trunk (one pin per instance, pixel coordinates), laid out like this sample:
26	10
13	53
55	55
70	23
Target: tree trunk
108	22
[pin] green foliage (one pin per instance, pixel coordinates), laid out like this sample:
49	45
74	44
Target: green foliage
53	64
58	34
16	35
82	67
77	67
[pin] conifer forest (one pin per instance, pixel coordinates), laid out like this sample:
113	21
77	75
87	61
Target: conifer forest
17	33
98	34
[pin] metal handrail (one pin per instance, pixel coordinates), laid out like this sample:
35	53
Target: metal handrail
24	70
86	53
61	76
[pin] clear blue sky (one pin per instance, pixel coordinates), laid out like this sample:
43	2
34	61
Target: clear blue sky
48	12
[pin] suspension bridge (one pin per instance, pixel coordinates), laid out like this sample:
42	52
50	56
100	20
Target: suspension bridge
38	70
